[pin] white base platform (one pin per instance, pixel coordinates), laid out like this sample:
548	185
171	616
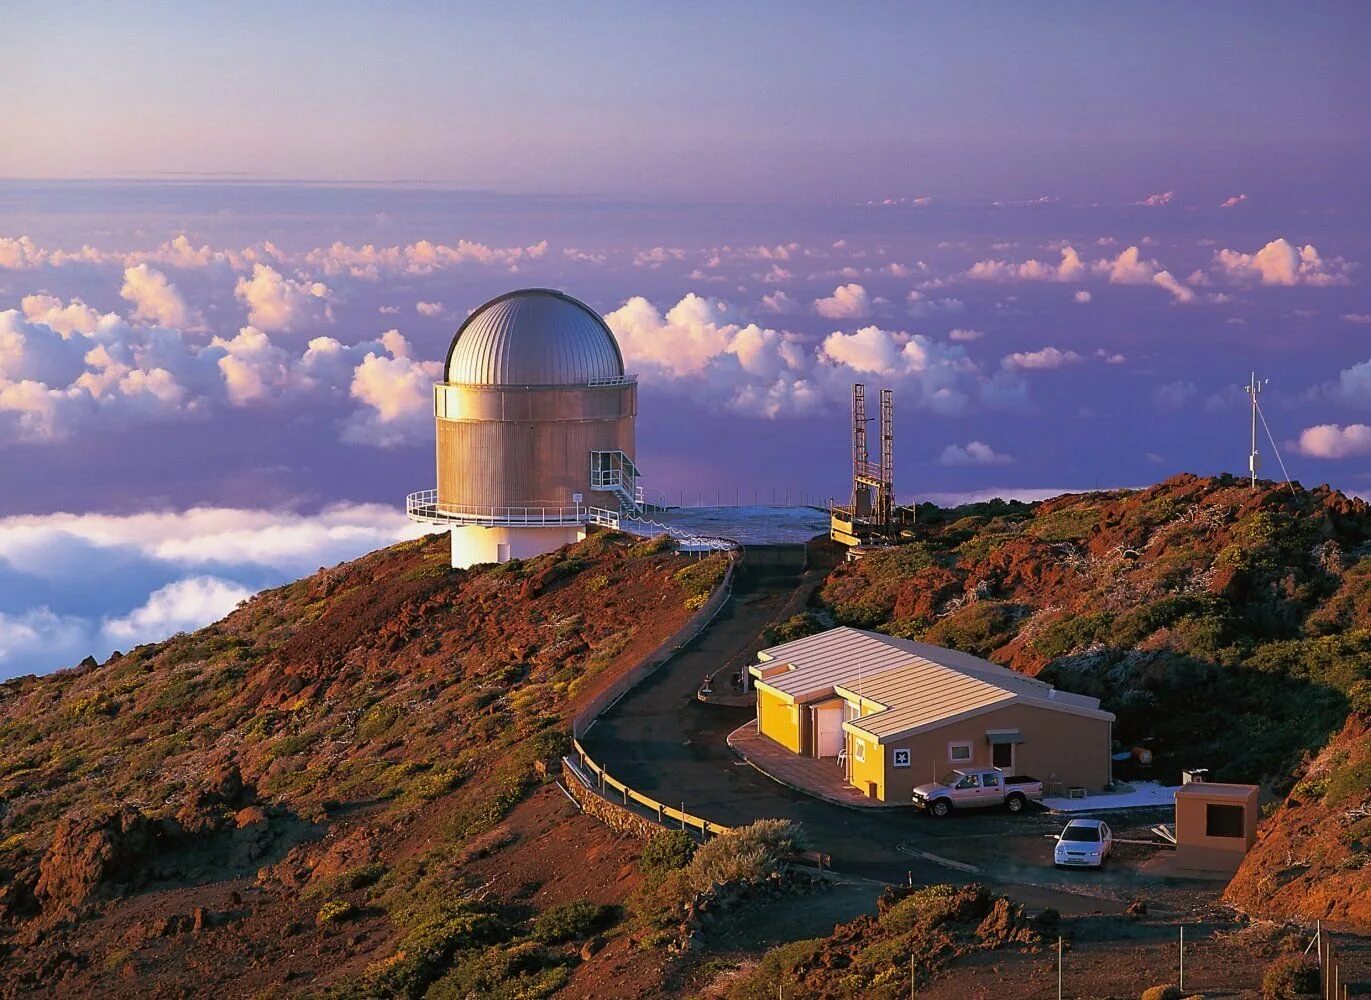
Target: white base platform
474	543
1139	795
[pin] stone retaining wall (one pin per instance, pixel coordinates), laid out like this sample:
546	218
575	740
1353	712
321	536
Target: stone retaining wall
618	818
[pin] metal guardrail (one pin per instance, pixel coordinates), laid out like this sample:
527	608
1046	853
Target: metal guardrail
426	507
664	813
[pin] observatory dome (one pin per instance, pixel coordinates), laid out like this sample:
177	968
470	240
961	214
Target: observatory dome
533	337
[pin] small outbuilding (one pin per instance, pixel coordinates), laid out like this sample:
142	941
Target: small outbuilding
1216	825
895	713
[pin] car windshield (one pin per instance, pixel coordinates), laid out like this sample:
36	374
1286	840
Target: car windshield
1082	834
951	778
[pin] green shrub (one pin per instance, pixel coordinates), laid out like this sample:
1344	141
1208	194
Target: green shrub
335	911
433	784
652	547
934	905
571	922
659	903
377	720
1288	977
748	854
1359	697
521	972
1167	992
667	850
977	628
1349	784
794	627
781	972
700	577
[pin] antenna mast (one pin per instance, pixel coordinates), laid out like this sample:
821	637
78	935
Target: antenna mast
1254	459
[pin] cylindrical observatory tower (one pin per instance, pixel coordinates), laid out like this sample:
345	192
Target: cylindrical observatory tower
535	430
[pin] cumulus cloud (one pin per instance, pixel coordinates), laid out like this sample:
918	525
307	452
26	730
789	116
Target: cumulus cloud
847	302
1159	199
972	453
1233	202
397	392
65	317
1070	268
19	253
780	303
277	303
161	571
753	369
1334	441
182	606
1082	296
965	336
772	373
1041	360
429	308
155	299
1280	262
65	366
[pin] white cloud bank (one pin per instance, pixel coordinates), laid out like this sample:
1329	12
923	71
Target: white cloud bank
162	572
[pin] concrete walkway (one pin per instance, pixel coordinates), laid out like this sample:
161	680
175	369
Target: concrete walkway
819	777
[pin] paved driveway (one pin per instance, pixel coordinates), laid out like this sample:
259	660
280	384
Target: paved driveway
660	740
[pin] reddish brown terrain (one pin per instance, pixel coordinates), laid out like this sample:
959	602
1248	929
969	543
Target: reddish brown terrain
283	799
336	791
1311	859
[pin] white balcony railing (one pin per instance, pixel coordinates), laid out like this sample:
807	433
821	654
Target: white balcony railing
425	507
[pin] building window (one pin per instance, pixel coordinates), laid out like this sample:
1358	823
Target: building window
1223	821
959	753
901	758
860	751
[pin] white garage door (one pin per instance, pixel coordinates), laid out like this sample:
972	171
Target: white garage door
829	724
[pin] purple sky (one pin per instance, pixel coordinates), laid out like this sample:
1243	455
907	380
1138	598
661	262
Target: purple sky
1063	233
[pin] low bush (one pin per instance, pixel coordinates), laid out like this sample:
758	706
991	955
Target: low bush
1288	977
521	972
749	854
667	850
1167	992
571	922
1359	697
335	911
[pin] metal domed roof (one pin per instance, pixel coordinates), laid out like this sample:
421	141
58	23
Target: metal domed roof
533	336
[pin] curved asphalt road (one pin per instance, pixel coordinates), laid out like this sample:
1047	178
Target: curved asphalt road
663	742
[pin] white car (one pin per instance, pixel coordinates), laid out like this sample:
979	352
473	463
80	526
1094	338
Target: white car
1085	843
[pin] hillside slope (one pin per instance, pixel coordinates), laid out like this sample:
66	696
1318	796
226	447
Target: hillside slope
1312	859
1223	626
292	794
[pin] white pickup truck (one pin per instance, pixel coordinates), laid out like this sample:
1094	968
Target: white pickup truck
975	789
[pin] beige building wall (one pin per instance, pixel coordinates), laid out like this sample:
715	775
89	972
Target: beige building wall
501	446
1057	746
1195	849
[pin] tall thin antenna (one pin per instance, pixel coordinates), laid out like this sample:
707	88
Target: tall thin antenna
1254	459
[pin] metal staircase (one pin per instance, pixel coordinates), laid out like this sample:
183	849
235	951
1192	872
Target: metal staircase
614	472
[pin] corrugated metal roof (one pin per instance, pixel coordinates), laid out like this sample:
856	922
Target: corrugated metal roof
533	336
912	685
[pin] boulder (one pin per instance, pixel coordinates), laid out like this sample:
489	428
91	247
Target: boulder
92	852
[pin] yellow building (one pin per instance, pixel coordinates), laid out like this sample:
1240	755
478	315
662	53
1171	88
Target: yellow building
899	713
